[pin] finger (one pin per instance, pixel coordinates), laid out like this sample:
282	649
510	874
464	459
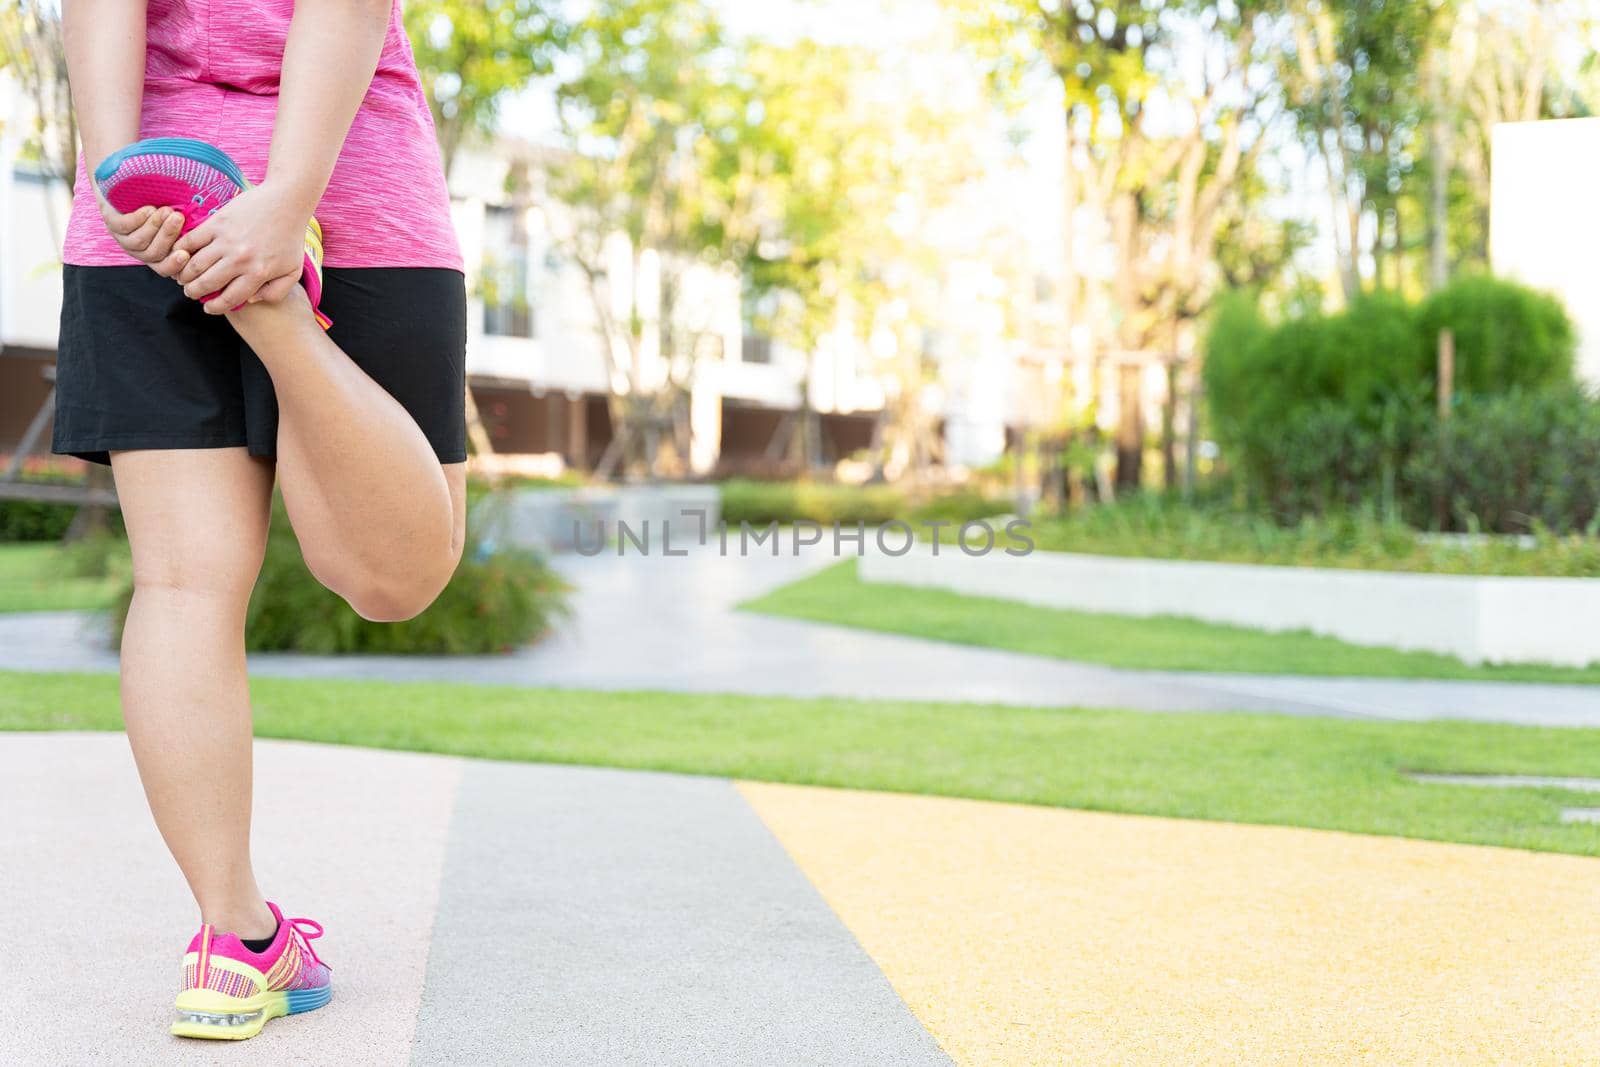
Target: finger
124	225
219	277
239	291
197	238
139	240
199	263
172	266
277	290
161	245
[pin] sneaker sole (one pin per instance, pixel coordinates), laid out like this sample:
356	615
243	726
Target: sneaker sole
212	1016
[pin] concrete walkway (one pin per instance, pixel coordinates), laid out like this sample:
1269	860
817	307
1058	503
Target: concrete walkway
483	913
669	624
477	913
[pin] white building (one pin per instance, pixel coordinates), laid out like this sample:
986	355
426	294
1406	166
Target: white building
1544	219
538	358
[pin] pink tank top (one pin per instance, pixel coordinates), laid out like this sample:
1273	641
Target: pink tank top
211	72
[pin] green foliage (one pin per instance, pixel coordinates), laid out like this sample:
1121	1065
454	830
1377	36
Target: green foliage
1520	461
472	53
1159	528
1325	413
495	602
29	520
760	503
1319	411
1507	335
965	505
1351	72
649	103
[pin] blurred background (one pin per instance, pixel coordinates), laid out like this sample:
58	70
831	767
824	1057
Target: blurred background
1280	282
1171	358
1062	252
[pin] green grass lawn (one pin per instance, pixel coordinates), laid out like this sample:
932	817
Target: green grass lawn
838	596
1329	773
40	577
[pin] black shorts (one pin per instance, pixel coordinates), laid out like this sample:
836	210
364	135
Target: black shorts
141	366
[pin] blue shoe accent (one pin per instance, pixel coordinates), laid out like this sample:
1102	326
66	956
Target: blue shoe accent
182	147
308	999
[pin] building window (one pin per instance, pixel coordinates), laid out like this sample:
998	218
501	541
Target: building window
504	284
756	348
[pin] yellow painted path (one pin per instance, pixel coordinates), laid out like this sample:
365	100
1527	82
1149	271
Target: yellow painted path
1022	935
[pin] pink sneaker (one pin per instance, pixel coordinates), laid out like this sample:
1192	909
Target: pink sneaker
230	992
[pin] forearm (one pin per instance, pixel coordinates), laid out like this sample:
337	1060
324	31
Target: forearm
105	63
328	63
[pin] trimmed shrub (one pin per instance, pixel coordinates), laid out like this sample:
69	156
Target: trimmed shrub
1507	335
29	520
1318	412
1152	527
965	505
760	503
1332	412
496	602
1520	462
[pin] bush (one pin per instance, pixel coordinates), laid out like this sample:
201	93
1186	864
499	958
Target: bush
760	503
1325	413
964	505
1153	527
496	602
29	520
1318	412
1514	463
1507	335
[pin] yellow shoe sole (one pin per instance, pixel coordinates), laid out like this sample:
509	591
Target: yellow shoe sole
207	1014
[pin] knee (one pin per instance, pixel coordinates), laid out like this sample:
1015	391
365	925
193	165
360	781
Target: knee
204	576
392	601
395	594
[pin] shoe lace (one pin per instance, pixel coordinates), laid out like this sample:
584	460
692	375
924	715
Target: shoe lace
308	930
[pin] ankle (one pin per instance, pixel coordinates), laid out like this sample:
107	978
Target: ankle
248	920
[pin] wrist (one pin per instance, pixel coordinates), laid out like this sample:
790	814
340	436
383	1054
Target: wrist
297	193
96	154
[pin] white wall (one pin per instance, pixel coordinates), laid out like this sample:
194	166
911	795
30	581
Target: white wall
30	260
1545	218
1495	620
33	220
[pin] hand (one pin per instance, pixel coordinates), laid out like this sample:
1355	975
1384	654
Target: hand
253	249
148	235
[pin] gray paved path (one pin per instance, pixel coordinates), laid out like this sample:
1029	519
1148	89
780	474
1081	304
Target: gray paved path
476	913
670	624
642	919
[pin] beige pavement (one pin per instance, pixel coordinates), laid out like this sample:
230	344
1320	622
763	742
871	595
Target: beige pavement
99	900
1023	935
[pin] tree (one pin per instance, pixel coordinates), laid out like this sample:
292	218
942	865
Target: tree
472	53
1503	63
830	154
1353	71
31	50
649	113
1165	104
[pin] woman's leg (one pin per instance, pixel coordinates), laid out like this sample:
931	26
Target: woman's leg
379	520
197	524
